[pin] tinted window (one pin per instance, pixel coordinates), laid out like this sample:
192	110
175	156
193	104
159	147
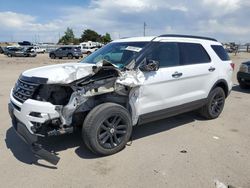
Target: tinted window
221	52
166	53
192	53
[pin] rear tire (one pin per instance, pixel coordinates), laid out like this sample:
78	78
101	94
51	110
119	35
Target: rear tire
9	55
215	104
107	129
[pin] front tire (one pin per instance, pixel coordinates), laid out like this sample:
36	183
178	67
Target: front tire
52	56
107	129
70	56
215	104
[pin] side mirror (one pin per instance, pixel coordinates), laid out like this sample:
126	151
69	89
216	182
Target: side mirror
150	65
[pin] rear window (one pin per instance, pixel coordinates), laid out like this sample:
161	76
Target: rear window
221	52
192	53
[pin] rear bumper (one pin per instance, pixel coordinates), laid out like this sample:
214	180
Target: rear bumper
31	139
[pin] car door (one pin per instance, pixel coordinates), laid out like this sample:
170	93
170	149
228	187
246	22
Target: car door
19	53
59	52
174	84
161	89
198	70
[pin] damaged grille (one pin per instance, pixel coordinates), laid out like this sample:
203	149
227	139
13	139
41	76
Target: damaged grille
24	90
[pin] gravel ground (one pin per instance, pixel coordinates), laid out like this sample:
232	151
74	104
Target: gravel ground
183	151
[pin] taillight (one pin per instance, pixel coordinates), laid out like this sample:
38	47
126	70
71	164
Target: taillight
232	65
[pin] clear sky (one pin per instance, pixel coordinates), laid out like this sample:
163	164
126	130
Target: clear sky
46	21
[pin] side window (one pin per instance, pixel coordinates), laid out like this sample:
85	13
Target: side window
166	53
221	52
192	53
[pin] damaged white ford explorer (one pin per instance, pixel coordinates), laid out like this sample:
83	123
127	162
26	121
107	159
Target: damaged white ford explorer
125	83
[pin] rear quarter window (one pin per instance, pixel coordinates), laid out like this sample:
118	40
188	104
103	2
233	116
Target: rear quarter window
221	52
192	53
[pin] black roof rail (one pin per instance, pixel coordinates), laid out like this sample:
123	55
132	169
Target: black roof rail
188	36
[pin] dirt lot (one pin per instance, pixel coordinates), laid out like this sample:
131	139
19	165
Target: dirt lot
217	149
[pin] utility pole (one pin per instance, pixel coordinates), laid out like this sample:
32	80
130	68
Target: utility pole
144	28
59	36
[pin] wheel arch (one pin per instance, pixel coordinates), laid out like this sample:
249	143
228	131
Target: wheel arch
223	84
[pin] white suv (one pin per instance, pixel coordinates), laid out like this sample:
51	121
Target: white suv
127	82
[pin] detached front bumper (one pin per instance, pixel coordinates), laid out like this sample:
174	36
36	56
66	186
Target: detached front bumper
31	139
32	111
22	122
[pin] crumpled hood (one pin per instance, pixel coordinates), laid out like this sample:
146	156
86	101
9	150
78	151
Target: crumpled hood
61	73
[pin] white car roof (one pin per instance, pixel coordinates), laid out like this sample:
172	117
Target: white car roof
177	38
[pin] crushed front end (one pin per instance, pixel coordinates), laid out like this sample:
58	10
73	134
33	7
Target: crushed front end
29	116
41	107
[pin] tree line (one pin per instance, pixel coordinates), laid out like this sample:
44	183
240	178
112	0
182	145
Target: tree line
87	35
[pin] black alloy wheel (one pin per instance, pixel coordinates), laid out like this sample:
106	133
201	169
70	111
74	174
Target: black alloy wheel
217	104
214	105
107	128
112	132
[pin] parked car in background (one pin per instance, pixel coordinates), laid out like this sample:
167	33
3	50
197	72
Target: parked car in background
1	50
88	50
69	52
89	47
38	49
10	49
243	75
20	52
25	43
229	50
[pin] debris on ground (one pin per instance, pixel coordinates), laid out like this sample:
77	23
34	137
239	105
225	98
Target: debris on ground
219	184
216	137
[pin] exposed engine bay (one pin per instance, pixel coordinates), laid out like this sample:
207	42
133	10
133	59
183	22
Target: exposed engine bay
74	100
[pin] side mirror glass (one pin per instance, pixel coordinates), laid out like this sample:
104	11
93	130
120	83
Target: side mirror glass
150	65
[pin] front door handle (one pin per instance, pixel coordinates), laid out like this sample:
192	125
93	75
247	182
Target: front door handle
211	69
177	75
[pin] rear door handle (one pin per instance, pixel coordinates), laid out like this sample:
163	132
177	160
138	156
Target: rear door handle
211	69
177	75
